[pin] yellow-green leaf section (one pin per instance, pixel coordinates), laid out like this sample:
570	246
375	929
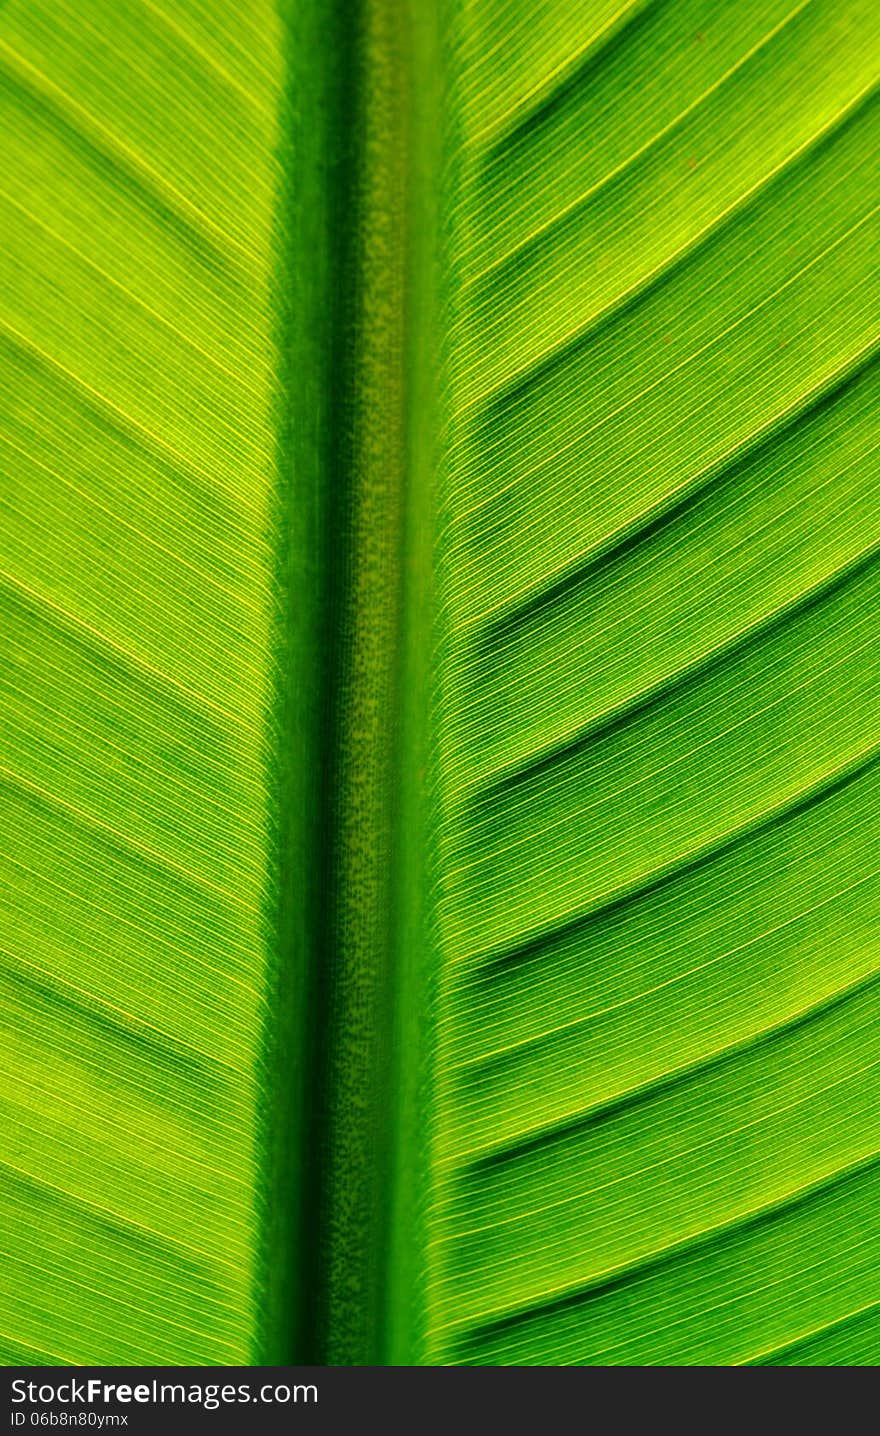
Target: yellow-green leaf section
137	598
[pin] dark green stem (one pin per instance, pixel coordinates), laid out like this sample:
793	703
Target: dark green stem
348	1042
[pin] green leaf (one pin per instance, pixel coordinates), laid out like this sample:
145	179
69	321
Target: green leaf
438	707
137	592
658	1058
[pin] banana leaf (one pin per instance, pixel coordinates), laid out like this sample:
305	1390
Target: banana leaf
440	683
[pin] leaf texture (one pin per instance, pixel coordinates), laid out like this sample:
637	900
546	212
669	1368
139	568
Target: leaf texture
138	590
657	730
439	743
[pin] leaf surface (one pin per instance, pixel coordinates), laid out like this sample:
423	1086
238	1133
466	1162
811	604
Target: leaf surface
137	590
439	744
658	735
